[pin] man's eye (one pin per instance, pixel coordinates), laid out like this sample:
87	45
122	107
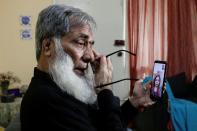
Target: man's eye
80	42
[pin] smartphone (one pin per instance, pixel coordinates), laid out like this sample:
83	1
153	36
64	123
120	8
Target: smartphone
158	75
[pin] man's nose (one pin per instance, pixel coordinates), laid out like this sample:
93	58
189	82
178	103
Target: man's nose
88	55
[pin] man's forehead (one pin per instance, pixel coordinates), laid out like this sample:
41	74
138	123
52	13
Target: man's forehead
81	32
81	28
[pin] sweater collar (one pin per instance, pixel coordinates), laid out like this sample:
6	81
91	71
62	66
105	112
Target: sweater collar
41	74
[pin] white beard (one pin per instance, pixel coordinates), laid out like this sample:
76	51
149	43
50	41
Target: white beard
61	70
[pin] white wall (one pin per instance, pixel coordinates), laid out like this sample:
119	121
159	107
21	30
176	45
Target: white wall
109	15
18	55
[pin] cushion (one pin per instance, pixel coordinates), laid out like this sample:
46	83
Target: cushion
179	85
15	124
183	112
193	92
194	82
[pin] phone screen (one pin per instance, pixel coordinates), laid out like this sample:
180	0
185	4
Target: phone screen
158	80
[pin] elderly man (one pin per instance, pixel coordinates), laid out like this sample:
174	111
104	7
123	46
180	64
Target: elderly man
61	95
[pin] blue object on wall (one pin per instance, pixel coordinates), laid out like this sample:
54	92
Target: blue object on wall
25	20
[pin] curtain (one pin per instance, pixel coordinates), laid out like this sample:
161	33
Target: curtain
194	34
147	34
182	41
163	30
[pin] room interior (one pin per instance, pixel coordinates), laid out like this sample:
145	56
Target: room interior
152	29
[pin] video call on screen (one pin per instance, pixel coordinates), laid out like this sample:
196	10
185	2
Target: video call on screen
159	69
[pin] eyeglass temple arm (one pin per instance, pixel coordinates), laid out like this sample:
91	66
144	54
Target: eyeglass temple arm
121	51
121	79
116	82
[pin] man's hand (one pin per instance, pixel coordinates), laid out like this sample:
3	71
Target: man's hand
141	95
102	68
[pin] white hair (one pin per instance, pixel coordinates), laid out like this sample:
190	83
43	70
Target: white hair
57	20
61	70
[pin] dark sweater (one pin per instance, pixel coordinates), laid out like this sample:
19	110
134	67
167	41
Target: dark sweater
46	107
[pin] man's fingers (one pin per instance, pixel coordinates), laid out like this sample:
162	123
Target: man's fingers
96	63
109	64
103	61
148	104
96	55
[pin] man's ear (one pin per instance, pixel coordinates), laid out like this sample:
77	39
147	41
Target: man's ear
47	47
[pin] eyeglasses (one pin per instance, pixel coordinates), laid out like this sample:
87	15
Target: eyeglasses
134	79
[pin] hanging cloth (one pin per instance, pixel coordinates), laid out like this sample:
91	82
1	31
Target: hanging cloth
183	112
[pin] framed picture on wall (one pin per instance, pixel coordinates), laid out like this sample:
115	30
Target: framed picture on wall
26	34
25	20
